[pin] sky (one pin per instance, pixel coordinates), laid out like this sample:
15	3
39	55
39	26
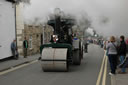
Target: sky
108	17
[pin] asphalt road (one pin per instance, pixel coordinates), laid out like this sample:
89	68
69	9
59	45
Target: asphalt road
85	74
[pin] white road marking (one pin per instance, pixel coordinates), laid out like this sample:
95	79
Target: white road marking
18	67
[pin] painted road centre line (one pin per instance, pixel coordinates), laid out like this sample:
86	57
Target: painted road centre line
18	67
103	71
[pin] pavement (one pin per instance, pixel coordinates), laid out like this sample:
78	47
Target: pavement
120	79
7	63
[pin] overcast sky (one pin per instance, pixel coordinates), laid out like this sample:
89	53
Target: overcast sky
109	17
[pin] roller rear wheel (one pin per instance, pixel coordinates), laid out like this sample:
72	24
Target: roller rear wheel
76	57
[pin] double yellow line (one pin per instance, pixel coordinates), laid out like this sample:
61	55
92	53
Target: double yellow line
103	71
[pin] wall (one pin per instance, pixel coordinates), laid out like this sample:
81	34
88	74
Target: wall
20	27
7	28
34	35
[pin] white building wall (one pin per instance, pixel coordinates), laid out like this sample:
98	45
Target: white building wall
7	28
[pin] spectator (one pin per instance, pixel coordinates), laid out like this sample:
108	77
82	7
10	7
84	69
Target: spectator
104	44
122	52
105	47
14	49
25	45
112	54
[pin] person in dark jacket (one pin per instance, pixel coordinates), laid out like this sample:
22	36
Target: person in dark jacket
86	45
14	49
25	45
122	51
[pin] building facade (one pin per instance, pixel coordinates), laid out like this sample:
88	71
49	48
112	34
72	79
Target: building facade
35	34
35	37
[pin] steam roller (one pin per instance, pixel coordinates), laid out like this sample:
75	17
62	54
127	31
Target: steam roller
54	59
65	47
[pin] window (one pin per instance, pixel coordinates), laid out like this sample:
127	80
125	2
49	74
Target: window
37	35
30	42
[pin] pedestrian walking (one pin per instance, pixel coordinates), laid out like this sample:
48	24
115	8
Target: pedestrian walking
25	45
122	52
14	49
112	54
86	46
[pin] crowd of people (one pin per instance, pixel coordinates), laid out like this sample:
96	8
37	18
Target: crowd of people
116	52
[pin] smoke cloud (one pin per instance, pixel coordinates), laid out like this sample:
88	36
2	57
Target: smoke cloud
107	17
